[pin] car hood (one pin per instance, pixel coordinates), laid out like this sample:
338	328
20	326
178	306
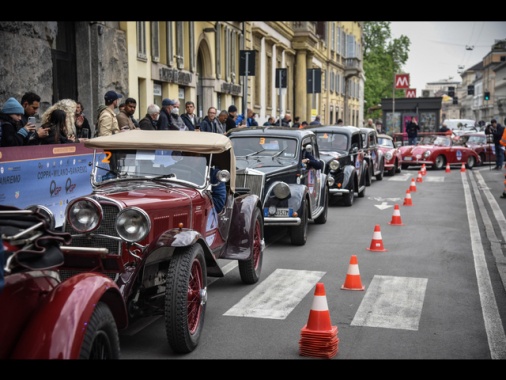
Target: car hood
328	156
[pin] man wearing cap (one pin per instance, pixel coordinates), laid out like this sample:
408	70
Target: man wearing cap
107	123
232	115
169	116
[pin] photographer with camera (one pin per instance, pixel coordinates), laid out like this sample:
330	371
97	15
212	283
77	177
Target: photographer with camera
496	130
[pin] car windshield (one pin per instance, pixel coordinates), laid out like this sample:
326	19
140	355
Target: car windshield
154	164
385	142
476	140
264	146
442	141
331	141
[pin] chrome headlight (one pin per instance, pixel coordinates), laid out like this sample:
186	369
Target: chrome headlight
388	156
46	213
334	165
426	154
133	224
331	180
84	215
281	190
223	176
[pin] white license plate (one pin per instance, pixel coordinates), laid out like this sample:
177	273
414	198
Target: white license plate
407	158
282	212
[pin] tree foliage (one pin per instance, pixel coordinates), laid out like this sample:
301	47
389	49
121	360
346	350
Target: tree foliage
383	58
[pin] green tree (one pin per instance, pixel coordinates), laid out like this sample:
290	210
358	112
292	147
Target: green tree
383	58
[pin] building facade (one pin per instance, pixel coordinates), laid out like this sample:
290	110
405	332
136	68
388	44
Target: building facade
198	61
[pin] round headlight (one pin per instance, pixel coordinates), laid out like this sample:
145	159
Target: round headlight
426	154
272	210
281	190
132	224
223	176
84	215
331	180
334	165
46	213
388	156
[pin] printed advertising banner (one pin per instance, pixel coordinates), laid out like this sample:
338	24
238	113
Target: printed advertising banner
48	175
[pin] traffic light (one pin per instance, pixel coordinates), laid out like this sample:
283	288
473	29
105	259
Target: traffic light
455	100
486	95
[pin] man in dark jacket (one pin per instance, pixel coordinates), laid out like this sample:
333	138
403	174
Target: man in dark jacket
191	120
412	129
496	130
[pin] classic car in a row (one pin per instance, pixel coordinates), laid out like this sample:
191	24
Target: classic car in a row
151	225
481	143
436	150
342	149
269	162
392	154
373	154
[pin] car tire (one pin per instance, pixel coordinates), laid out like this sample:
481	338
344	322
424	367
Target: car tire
379	176
439	162
483	159
397	168
185	298
298	234
471	161
101	340
404	166
349	198
322	218
250	269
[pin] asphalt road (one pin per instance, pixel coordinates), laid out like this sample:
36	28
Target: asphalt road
438	291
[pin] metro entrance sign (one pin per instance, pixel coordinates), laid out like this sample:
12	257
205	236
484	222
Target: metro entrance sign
411	93
401	81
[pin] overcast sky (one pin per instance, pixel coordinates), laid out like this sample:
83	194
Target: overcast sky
438	48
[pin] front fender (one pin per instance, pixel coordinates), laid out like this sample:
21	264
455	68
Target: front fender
348	173
57	330
297	194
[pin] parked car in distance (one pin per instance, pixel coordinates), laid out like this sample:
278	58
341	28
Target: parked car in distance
153	225
373	155
42	315
346	168
481	143
391	153
436	151
459	126
269	161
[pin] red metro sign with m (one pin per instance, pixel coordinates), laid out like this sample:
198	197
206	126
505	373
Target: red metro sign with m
411	93
402	81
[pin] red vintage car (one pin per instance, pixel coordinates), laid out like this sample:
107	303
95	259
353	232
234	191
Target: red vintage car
481	143
391	153
44	316
436	151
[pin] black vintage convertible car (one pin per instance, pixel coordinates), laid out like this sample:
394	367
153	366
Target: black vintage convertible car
269	162
346	167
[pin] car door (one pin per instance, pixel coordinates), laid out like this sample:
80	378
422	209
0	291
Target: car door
312	175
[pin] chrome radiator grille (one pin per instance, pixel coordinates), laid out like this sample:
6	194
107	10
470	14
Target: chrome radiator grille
106	228
252	179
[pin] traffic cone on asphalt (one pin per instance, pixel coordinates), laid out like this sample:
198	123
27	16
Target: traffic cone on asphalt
463	168
377	241
396	217
353	281
448	168
412	188
419	178
407	200
318	336
424	169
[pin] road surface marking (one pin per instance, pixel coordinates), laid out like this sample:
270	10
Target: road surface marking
277	295
392	302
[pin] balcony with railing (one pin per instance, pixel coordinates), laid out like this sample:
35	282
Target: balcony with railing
352	67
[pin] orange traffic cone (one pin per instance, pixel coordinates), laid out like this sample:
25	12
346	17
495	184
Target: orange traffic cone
463	168
396	217
412	188
448	168
377	241
407	200
419	178
424	169
353	281
318	336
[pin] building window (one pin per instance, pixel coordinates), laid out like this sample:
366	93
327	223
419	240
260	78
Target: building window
155	41
180	44
141	40
170	44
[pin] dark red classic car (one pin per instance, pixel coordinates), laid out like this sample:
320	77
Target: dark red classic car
392	154
436	151
481	143
154	224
